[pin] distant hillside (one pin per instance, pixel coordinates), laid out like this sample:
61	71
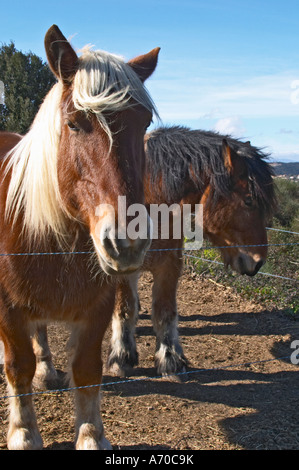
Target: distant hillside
289	170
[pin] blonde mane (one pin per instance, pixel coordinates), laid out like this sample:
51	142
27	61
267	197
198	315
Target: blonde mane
103	83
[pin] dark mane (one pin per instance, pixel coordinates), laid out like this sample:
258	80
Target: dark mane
180	155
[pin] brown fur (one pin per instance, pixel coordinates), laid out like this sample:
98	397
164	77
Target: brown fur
227	223
235	219
71	288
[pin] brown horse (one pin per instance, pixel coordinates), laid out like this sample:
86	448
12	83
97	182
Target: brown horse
234	183
84	149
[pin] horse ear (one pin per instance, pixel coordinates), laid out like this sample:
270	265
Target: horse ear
144	65
62	58
227	156
233	162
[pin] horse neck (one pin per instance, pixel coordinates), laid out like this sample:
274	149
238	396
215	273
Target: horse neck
7	141
188	191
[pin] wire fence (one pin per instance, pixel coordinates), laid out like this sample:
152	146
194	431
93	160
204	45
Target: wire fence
260	272
281	230
55	253
147	379
245	364
183	249
178	249
246	246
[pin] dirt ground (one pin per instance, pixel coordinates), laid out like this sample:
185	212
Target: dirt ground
228	400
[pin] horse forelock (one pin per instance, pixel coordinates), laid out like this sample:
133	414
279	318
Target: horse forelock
105	83
260	176
178	154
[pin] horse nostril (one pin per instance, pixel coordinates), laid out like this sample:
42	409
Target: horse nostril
257	268
109	245
248	267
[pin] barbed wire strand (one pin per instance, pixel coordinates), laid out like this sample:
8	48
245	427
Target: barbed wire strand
147	379
157	377
55	253
259	272
280	230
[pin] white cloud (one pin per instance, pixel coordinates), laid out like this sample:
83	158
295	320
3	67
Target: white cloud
262	108
195	96
230	125
285	131
280	150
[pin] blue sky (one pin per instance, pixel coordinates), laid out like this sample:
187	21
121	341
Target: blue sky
225	65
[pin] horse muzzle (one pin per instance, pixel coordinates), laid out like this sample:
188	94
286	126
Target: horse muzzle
248	264
117	253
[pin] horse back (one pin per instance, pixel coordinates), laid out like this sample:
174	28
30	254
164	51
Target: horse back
7	141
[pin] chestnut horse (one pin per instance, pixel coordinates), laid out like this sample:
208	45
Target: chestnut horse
234	183
84	149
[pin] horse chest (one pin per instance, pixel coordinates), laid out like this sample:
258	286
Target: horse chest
55	287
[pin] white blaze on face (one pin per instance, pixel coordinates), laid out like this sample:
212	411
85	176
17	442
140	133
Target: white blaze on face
104	228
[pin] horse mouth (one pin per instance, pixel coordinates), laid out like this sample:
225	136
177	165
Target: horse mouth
243	269
256	269
114	267
113	271
244	265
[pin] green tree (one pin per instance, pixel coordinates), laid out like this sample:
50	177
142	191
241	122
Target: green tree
287	214
27	79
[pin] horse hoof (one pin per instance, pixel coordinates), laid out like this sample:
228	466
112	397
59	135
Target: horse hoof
89	439
174	377
91	444
122	366
49	381
122	371
171	366
105	444
23	439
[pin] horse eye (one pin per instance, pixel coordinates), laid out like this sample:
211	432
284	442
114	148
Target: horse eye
248	201
148	124
72	126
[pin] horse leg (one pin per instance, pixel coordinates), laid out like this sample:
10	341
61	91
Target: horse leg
45	374
123	353
19	367
86	372
169	357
